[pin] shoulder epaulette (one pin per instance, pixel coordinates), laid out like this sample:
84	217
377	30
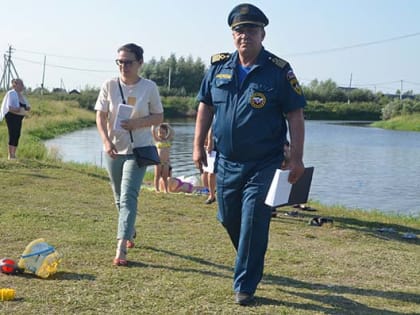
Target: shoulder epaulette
281	63
219	57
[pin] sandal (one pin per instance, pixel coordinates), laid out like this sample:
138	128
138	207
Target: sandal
120	262
304	207
210	201
130	244
292	213
315	221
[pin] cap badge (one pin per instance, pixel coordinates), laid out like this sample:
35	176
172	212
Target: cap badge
244	10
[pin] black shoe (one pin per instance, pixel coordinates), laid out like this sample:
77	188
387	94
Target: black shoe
244	299
210	201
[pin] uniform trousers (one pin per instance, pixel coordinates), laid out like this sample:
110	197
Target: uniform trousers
241	192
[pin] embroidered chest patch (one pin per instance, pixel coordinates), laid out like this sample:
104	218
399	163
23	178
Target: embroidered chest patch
258	100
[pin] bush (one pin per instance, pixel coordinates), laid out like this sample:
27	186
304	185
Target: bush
343	111
400	107
178	106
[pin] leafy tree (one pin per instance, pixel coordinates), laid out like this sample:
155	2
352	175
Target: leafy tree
361	95
324	91
181	76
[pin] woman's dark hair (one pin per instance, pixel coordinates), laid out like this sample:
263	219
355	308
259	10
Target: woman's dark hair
133	48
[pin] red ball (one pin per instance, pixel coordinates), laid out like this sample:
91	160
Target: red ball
8	266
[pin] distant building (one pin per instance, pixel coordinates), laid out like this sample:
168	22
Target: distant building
397	96
74	91
59	90
346	89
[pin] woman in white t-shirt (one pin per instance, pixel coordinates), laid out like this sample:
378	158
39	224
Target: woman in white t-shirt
14	108
147	110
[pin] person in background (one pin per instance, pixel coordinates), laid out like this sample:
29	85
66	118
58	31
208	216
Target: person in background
249	94
163	136
286	153
176	185
208	176
125	175
14	108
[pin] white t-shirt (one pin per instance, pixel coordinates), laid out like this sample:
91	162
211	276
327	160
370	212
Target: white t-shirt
145	99
11	100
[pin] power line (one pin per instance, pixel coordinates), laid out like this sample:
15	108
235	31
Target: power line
64	67
296	54
387	83
328	50
383	86
62	56
410	82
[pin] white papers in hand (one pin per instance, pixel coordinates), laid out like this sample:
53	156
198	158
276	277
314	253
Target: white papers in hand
123	112
210	162
280	188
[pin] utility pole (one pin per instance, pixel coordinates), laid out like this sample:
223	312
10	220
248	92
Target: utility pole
62	87
401	90
43	75
348	92
9	70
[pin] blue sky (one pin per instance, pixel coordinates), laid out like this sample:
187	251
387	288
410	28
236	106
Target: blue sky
374	44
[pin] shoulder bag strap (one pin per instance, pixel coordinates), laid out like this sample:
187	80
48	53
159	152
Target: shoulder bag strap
121	91
123	99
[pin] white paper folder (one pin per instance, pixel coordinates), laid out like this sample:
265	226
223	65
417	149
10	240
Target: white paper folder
282	193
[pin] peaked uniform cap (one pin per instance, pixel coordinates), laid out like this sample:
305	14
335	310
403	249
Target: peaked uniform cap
246	14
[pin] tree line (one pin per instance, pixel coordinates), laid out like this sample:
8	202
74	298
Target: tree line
175	76
179	80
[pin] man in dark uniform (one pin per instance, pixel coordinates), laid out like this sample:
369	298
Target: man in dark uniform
251	93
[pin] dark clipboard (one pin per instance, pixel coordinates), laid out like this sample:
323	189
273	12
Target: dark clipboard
299	192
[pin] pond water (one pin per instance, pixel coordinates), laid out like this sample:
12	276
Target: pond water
355	166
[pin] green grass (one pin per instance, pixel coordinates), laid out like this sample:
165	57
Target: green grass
182	262
404	122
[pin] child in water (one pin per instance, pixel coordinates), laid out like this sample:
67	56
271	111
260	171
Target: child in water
163	135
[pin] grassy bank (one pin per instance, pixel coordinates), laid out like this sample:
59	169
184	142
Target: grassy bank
404	122
182	262
47	119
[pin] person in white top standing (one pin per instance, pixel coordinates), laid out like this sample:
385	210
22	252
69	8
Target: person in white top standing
14	108
125	175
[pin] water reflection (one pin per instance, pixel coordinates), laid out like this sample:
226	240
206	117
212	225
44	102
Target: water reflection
355	166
